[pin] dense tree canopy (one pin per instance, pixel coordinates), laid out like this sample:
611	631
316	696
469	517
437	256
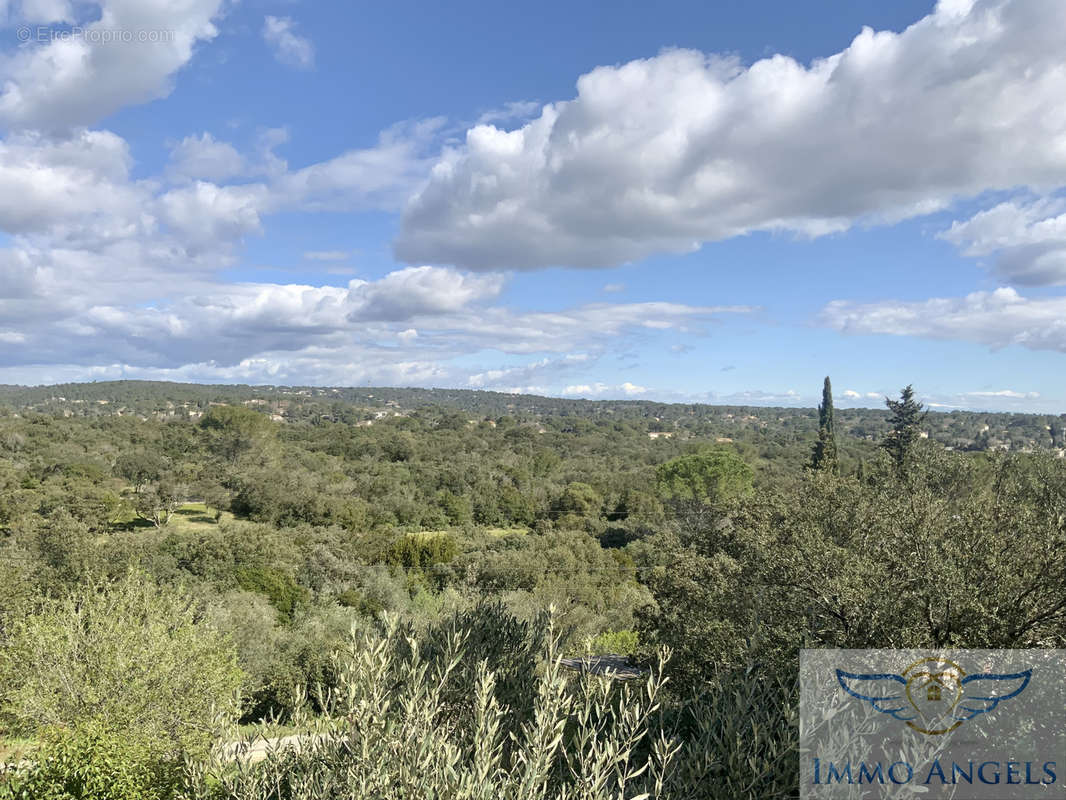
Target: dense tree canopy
243	533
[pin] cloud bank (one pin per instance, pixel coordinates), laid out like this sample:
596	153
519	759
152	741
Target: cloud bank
662	154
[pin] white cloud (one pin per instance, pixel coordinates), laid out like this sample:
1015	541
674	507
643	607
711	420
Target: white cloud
1027	240
612	288
206	214
49	184
518	110
204	157
289	47
310	333
664	153
852	394
76	80
1011	393
506	379
45	11
420	291
382	176
586	390
599	389
998	319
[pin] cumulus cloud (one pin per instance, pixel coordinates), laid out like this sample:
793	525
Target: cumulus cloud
49	184
41	11
424	317
204	157
206	214
420	291
70	81
1027	240
289	47
998	319
664	153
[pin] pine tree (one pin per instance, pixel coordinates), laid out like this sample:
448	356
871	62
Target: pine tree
907	417
825	449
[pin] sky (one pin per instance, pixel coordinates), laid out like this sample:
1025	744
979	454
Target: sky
680	201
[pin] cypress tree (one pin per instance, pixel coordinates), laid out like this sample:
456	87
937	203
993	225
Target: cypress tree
907	417
825	449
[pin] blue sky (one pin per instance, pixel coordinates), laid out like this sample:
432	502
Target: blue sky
680	201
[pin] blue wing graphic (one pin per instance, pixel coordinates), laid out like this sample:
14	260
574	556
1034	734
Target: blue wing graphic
982	693
884	691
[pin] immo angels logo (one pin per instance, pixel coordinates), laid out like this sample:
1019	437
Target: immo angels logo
933	695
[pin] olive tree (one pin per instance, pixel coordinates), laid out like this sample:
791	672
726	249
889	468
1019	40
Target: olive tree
133	656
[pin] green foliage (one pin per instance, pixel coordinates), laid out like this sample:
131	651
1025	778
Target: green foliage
709	476
579	499
156	503
906	421
740	736
825	449
92	762
420	552
141	467
128	655
964	555
236	432
365	605
732	556
400	737
623	643
279	587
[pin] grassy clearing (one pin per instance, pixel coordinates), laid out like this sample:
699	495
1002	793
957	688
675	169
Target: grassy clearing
193	517
427	535
506	531
189	518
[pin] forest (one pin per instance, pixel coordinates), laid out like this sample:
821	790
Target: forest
395	580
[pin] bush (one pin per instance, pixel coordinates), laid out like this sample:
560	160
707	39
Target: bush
280	588
402	738
131	656
621	642
90	762
418	552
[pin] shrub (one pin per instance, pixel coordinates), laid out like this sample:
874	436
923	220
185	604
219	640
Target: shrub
280	588
90	762
131	656
401	738
621	642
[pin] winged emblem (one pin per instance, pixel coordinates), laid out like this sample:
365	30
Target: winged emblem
934	695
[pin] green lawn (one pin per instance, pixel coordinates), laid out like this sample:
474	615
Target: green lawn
189	518
196	516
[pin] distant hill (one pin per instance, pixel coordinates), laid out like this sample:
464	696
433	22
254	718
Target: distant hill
969	430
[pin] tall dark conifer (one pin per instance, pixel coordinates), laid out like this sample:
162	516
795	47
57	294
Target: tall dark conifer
825	449
906	420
